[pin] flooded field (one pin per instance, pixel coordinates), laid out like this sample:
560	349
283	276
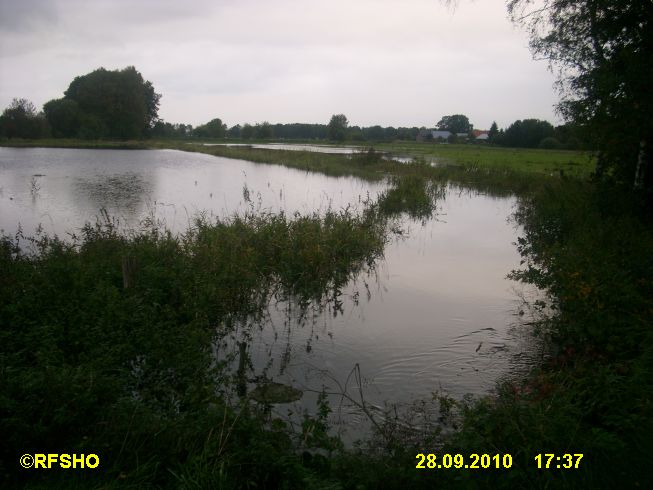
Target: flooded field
436	313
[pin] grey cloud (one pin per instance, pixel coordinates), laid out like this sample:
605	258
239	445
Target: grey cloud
25	15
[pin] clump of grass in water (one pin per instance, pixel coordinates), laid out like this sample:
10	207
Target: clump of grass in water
367	156
413	195
302	257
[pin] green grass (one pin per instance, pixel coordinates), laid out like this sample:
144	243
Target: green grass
545	162
573	163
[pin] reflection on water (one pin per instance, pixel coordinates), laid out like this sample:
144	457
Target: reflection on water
125	194
172	185
437	313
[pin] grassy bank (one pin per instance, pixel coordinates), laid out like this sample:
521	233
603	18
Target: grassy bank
572	163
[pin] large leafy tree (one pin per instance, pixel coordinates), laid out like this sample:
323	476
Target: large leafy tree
602	51
215	128
456	123
337	127
113	104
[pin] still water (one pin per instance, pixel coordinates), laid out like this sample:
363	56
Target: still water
437	314
61	189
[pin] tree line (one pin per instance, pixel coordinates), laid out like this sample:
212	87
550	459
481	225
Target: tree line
63	118
536	133
338	129
120	104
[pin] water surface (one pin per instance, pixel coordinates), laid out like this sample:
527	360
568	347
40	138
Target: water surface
61	189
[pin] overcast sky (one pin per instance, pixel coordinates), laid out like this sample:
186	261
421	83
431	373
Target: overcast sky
388	62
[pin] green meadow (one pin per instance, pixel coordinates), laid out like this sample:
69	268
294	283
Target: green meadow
574	163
